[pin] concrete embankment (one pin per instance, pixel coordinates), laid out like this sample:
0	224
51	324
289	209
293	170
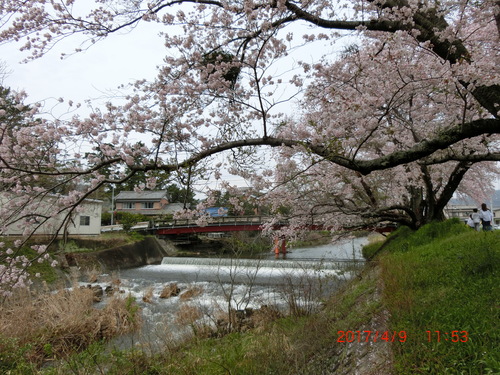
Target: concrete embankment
150	250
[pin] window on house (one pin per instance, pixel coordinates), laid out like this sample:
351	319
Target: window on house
84	220
128	205
147	205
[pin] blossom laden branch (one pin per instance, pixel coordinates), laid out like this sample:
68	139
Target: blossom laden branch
385	132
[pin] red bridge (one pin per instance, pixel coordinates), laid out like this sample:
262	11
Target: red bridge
215	224
230	224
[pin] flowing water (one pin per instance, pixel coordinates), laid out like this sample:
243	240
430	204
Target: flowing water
208	287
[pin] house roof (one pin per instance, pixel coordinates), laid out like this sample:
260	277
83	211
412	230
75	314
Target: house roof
168	209
146	195
10	196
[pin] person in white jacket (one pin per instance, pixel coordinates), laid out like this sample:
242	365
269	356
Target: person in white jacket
476	219
470	222
486	217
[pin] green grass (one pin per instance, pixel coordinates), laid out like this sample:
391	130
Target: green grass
101	242
444	277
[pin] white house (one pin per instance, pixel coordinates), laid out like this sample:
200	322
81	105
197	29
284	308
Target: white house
85	220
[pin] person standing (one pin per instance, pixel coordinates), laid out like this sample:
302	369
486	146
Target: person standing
476	219
470	222
486	217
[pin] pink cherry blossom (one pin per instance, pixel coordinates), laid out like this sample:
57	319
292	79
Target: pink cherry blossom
385	129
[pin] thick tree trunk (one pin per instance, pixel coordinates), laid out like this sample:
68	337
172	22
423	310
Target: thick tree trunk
429	207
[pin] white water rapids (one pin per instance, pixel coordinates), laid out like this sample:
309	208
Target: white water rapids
211	286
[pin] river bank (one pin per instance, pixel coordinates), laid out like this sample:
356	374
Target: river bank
148	250
403	314
188	315
99	253
240	283
127	252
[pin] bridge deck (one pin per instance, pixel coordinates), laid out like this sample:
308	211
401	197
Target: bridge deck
216	224
229	224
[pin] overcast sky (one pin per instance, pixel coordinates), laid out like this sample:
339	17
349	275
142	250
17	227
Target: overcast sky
96	72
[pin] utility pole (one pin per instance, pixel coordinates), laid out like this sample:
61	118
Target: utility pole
112	204
492	210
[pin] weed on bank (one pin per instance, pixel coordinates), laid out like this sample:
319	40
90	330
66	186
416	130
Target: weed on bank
442	288
46	329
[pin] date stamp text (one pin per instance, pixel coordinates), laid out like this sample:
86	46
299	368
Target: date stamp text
401	336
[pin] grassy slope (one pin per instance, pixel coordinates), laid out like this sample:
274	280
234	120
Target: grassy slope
446	278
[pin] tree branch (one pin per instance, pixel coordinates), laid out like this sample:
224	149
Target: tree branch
426	23
420	150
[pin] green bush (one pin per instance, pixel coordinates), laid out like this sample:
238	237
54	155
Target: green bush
371	249
129	219
12	357
106	218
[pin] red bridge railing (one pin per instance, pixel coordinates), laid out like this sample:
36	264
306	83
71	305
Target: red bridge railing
230	224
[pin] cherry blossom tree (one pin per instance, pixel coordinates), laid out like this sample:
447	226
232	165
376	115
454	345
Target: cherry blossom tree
386	131
378	99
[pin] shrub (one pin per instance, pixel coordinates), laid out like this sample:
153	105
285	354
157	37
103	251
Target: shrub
129	219
106	218
53	326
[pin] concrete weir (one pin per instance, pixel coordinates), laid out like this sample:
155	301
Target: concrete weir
337	264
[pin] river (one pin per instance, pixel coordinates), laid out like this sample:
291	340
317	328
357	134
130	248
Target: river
210	287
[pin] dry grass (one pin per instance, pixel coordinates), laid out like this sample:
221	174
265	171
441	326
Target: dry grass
56	325
192	292
147	295
170	290
188	314
93	274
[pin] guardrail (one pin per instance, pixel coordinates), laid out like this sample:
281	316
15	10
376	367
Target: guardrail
234	223
212	221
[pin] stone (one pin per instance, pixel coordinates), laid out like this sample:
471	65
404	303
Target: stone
97	290
171	290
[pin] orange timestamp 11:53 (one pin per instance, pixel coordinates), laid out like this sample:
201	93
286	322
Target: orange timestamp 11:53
400	336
